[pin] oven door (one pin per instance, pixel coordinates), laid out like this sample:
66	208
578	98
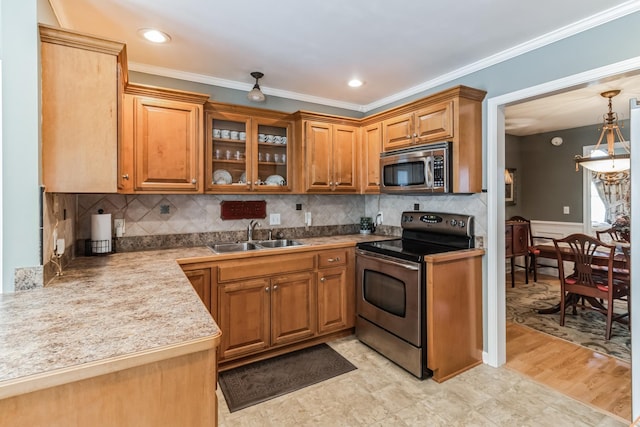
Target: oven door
389	294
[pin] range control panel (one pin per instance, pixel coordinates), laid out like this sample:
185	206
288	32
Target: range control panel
438	222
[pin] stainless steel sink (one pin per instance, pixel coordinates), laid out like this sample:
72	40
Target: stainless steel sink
280	243
233	247
225	247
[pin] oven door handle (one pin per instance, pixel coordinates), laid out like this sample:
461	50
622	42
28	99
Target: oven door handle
409	266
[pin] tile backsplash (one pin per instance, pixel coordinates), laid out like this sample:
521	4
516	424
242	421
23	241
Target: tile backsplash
152	215
164	215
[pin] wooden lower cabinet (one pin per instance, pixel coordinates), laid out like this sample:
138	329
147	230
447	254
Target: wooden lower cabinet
277	303
292	307
245	317
336	291
454	312
200	277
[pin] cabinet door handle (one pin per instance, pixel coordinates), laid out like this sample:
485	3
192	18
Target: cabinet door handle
125	176
275	287
266	289
193	180
333	259
322	279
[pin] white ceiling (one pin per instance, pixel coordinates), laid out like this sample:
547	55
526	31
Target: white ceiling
308	50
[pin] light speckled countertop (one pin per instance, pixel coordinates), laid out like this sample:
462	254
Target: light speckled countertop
102	308
108	307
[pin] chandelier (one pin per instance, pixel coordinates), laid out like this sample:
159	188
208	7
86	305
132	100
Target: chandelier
610	165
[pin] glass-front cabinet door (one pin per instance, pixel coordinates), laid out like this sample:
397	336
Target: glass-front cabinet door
228	152
247	154
271	158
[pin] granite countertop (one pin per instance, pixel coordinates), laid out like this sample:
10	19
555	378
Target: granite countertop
102	309
106	308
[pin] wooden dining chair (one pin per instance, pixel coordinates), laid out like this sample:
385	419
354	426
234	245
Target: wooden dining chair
532	250
597	286
612	233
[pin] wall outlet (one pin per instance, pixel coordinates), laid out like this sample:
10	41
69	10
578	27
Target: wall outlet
566	210
479	242
118	224
274	219
307	218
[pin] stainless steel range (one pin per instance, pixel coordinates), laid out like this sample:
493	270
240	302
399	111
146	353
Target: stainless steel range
391	285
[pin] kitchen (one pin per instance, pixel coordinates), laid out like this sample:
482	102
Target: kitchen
24	239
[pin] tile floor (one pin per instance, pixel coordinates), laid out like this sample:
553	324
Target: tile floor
379	393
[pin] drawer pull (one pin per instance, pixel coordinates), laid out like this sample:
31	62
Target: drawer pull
336	259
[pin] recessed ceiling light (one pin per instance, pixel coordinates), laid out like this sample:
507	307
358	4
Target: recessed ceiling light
155	36
355	83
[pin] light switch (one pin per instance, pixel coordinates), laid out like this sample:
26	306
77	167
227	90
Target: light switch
566	210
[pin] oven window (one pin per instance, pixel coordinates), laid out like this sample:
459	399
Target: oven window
385	292
403	174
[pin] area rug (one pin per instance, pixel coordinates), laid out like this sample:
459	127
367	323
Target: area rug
260	381
586	328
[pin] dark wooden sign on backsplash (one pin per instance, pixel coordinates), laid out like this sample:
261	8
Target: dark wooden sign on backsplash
237	209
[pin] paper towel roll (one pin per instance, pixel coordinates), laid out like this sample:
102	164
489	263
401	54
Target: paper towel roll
101	233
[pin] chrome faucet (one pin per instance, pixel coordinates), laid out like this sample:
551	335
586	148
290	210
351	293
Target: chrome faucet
253	224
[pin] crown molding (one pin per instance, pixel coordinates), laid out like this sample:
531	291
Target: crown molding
231	84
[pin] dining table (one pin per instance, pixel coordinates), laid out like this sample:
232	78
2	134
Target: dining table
620	267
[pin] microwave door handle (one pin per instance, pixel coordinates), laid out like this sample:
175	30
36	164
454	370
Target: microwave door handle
429	171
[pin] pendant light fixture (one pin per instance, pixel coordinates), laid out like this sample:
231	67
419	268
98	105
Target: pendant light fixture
611	163
256	94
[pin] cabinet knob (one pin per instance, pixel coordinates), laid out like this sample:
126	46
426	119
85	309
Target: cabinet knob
125	176
275	287
256	183
415	135
266	289
322	279
408	136
193	180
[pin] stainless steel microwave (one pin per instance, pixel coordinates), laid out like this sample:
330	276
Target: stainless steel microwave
422	169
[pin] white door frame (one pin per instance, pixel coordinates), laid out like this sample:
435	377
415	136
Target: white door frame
496	306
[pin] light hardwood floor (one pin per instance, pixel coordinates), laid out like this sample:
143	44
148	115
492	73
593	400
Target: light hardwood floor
595	379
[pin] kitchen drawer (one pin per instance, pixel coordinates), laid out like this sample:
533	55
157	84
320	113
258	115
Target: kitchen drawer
265	266
332	258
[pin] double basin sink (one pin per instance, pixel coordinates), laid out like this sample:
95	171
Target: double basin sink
251	246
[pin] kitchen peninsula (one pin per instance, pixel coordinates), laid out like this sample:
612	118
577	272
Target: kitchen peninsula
117	340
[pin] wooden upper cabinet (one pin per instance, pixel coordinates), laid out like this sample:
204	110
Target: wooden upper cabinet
247	150
434	123
318	137
453	115
371	146
398	132
330	157
429	124
164	140
82	80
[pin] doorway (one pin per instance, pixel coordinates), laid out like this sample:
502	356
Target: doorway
496	311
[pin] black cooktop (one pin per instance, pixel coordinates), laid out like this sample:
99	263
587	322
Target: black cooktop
426	233
410	250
